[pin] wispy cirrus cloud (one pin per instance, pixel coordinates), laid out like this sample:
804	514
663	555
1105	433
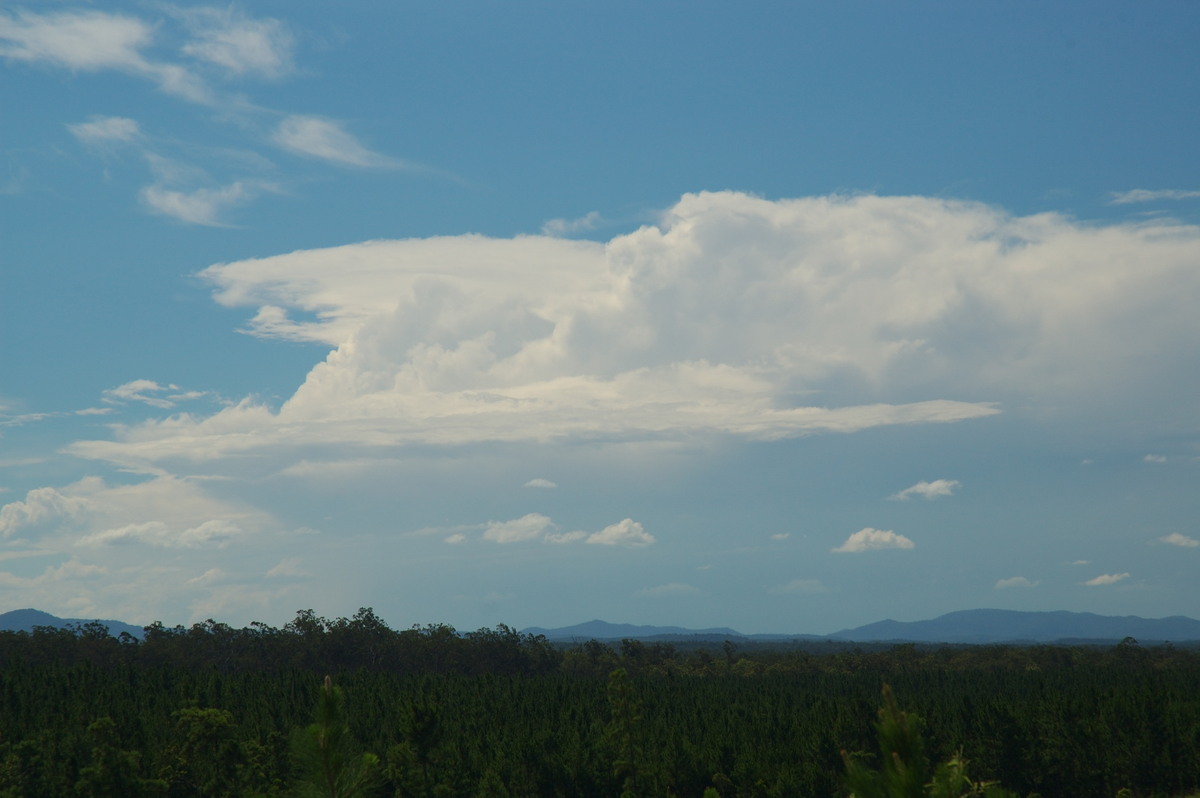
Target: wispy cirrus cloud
1148	195
328	140
99	130
869	539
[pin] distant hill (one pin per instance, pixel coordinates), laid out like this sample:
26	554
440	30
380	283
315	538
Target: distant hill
965	626
997	626
602	630
25	620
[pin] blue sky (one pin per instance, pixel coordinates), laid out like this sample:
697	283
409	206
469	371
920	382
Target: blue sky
779	316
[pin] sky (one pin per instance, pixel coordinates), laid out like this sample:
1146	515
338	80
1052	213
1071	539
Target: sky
784	317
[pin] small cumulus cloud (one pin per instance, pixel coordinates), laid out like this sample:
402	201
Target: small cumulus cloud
1154	458
527	527
1080	562
781	536
456	538
803	586
1106	579
625	533
1177	539
928	490
540	483
563	227
869	539
1015	581
1149	195
668	590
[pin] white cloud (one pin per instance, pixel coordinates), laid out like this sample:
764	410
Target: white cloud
456	538
540	483
668	590
869	539
91	41
217	532
804	586
1177	539
720	320
104	129
237	44
288	568
928	490
324	138
565	537
1015	581
1146	195
624	533
781	536
202	206
88	40
140	391
527	527
1106	579
563	227
163	511
1154	458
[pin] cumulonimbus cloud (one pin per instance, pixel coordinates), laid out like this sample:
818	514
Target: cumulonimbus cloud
733	316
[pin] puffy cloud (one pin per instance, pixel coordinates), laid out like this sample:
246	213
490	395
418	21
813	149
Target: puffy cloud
162	512
323	138
625	533
1147	195
527	527
535	526
1106	579
929	490
868	539
805	586
1177	539
1154	458
1015	581
540	483
562	227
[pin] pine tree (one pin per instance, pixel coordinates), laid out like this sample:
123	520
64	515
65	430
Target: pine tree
325	757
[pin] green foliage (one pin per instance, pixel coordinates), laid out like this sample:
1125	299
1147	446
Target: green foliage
904	770
208	711
325	755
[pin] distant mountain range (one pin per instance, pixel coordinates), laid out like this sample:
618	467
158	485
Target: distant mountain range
25	620
965	626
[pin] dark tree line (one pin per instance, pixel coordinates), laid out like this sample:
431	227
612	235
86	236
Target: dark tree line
215	711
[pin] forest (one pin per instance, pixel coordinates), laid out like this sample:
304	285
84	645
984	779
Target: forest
351	707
